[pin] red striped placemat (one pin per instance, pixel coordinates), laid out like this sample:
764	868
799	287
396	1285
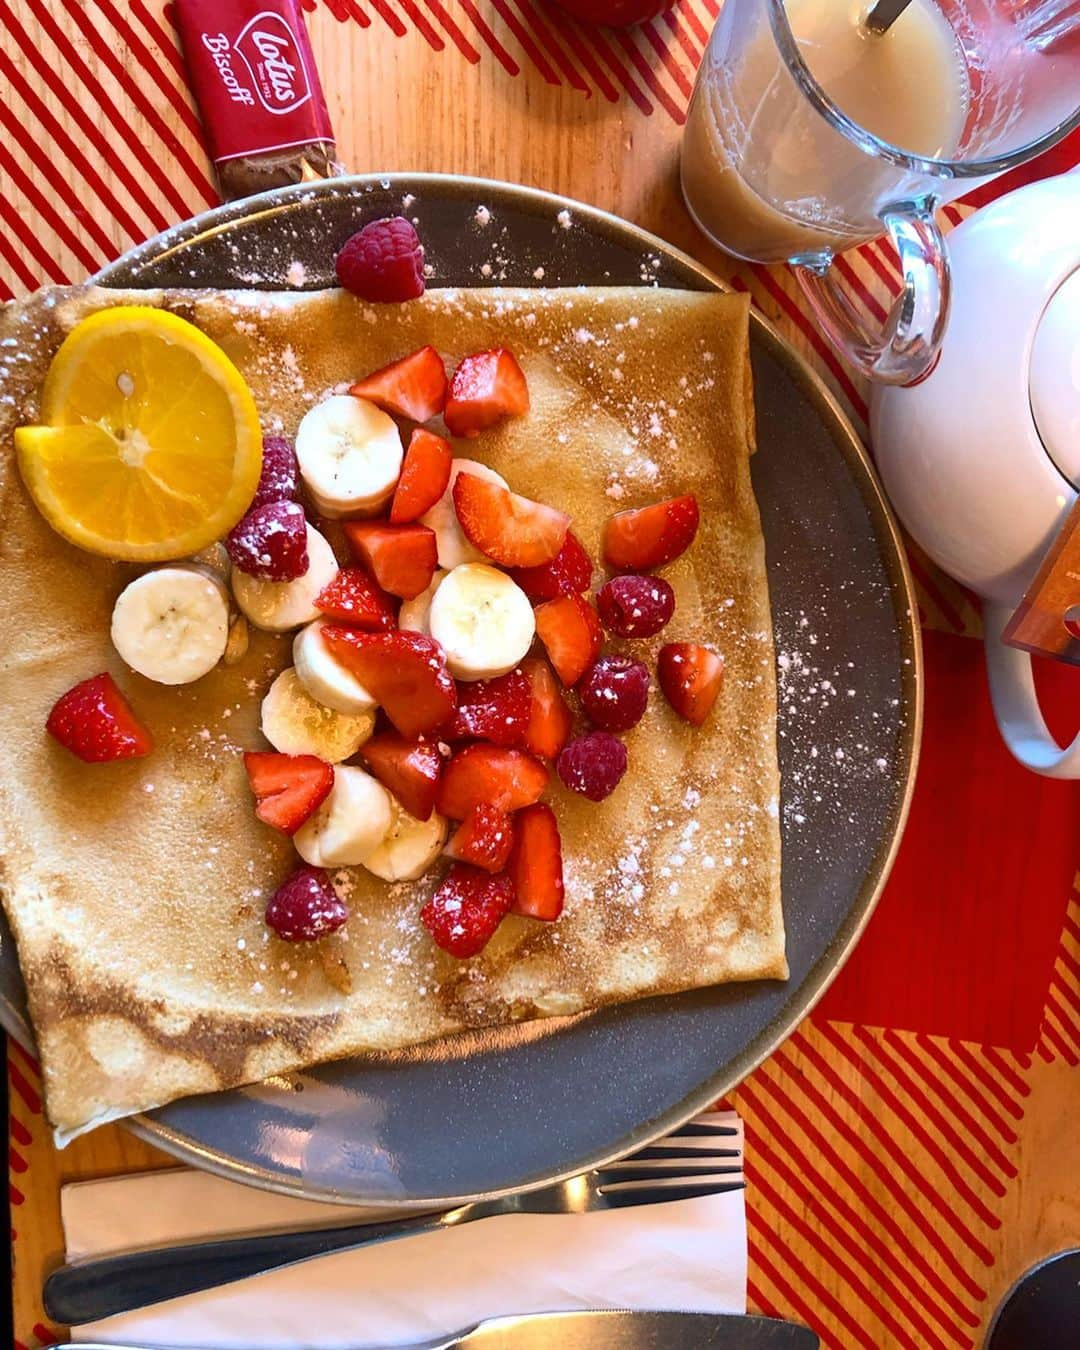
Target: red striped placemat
910	1149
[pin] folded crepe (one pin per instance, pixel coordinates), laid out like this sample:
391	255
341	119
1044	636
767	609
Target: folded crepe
136	889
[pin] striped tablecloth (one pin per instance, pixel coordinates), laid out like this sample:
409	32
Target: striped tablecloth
915	1144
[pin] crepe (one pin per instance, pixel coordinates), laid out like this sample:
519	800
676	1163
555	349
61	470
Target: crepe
136	889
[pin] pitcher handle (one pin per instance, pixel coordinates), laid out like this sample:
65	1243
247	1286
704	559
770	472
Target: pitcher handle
1016	705
905	348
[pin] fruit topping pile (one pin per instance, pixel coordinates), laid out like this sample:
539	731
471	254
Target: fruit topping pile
440	671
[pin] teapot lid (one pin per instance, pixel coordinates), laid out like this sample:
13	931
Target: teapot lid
1054	378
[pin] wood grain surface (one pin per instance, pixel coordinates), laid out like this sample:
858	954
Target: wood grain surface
903	1169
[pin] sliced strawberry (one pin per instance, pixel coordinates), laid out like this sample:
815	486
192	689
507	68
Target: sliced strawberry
492	710
690	676
550	720
511	530
409	769
95	722
486	387
425	473
570	629
484	838
401	558
651	536
488	775
413	387
352	597
568	573
404	672
467	908
288	788
536	864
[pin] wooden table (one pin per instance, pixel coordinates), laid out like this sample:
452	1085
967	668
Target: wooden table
916	1145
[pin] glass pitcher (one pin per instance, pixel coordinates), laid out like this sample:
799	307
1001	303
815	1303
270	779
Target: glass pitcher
774	169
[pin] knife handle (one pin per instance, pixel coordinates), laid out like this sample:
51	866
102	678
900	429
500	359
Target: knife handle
87	1291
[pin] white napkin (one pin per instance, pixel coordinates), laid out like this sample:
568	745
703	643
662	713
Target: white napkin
686	1254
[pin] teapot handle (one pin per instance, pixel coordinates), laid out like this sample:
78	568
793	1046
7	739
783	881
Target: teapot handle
1016	704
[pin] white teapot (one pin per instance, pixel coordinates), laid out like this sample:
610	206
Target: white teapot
982	459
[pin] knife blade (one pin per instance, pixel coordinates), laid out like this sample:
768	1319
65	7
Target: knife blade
608	1329
614	1329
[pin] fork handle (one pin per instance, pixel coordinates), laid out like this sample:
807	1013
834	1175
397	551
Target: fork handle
87	1291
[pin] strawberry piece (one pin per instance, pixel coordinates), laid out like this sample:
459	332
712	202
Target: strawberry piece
408	769
568	573
570	630
467	908
413	387
352	597
484	839
511	530
535	867
486	387
651	536
492	710
306	907
489	775
425	472
288	788
550	720
401	558
404	672
690	676
95	722
383	262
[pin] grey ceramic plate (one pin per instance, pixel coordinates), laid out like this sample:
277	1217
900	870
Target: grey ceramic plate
494	1112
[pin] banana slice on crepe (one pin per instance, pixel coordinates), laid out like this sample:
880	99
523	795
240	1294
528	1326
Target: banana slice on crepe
351	823
454	549
483	620
297	724
279	606
172	624
324	677
409	847
350	454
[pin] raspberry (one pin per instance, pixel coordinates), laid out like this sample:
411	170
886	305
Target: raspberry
384	262
466	909
280	477
270	542
614	692
493	710
593	765
305	907
635	607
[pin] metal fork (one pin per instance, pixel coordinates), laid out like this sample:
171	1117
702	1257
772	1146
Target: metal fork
702	1158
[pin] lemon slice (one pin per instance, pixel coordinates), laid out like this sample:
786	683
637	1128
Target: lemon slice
149	447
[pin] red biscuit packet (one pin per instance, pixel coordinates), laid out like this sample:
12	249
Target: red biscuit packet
1047	620
253	75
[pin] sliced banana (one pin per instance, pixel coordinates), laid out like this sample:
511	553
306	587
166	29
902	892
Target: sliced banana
413	616
483	620
454	548
410	847
351	823
278	606
296	724
350	454
324	677
172	624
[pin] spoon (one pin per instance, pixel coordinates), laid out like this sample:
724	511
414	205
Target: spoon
883	14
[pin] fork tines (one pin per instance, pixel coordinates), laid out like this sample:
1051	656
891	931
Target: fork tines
704	1157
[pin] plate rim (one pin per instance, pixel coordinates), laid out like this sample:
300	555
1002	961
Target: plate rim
849	444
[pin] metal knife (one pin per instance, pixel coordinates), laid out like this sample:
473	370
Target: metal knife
610	1330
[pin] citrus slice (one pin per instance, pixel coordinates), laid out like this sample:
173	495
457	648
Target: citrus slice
149	446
